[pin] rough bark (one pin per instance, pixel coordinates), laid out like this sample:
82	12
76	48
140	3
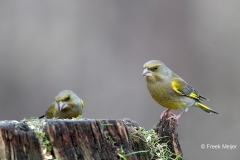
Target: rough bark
18	141
89	139
167	128
83	139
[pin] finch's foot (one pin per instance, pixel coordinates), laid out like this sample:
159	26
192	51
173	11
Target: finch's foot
176	117
164	113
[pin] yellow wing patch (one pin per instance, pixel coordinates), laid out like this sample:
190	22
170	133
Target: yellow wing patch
183	88
82	103
193	95
176	87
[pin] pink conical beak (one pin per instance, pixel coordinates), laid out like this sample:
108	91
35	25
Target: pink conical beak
146	73
62	105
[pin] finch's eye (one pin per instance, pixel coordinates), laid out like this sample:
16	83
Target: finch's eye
67	98
155	68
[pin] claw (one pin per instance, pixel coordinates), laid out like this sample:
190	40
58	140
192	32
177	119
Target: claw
176	117
164	113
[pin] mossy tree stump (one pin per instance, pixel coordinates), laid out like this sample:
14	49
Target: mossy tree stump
84	139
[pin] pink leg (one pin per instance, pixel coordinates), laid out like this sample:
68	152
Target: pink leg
164	112
176	116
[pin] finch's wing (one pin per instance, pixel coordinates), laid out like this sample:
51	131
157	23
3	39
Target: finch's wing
50	111
182	88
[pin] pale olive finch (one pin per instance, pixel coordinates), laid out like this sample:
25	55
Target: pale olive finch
171	91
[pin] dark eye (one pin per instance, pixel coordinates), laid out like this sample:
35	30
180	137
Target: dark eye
155	68
67	98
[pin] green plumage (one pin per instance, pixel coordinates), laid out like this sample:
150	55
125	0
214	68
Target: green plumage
169	90
66	105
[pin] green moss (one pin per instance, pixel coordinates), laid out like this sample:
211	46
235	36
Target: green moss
78	117
123	156
158	150
38	125
106	133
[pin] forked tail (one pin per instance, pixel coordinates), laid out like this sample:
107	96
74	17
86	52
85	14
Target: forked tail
205	108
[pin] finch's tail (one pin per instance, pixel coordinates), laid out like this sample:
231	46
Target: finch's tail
41	116
205	108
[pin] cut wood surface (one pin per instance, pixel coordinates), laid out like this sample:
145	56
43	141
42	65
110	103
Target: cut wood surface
84	139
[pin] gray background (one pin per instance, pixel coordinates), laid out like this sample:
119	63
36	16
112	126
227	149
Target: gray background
97	49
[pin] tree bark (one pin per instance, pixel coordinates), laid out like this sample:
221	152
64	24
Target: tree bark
168	128
18	141
85	139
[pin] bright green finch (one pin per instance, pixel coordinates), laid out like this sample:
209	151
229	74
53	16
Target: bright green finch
66	105
171	91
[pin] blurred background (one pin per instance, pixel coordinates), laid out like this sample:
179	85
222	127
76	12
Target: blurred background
97	49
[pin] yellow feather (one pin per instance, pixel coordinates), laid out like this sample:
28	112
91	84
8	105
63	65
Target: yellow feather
193	95
82	103
176	86
205	108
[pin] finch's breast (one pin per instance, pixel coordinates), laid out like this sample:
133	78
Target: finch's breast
168	98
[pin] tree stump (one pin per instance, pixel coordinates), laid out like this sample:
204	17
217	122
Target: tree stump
85	139
18	141
168	129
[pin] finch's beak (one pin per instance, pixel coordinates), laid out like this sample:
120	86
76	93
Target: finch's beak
146	73
62	105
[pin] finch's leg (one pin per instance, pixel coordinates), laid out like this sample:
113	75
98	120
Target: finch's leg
164	113
176	116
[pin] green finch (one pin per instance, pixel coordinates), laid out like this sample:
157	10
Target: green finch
66	105
171	91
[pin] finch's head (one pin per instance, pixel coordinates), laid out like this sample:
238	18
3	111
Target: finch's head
66	100
154	69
